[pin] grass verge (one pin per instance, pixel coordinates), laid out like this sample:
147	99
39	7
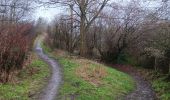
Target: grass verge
88	80
159	83
29	81
162	88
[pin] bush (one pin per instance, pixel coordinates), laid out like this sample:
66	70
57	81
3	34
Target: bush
122	58
14	44
109	56
125	58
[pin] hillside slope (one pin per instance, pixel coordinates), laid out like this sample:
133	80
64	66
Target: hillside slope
88	80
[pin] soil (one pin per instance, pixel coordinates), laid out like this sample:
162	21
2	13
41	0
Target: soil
51	89
143	89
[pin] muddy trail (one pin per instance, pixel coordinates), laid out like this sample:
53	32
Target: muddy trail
50	91
143	90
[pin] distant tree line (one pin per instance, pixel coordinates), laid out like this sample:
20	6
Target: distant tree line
128	33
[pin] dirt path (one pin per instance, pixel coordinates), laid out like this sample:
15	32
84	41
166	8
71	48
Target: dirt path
50	91
143	90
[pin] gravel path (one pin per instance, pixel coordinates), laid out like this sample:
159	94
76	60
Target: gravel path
143	90
50	91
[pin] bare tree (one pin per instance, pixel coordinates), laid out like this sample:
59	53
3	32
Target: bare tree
86	11
12	11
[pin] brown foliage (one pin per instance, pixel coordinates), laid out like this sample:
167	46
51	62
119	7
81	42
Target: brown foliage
92	74
14	44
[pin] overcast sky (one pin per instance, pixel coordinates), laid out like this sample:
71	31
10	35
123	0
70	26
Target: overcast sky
49	13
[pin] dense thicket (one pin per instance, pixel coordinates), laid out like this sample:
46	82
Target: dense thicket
14	45
15	36
130	33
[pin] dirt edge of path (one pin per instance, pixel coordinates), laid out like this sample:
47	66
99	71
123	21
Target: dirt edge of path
50	91
144	90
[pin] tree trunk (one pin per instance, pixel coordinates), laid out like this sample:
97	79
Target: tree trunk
72	27
82	38
155	66
169	69
83	50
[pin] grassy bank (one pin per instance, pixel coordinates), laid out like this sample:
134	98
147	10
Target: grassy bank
159	83
88	80
28	81
162	88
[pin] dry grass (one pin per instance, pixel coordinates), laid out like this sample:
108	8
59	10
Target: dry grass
29	59
59	53
88	70
89	80
13	77
30	70
93	73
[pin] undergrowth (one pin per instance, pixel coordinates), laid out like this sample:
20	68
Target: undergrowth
29	82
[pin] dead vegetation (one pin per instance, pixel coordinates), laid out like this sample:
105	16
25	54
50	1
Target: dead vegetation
14	76
91	72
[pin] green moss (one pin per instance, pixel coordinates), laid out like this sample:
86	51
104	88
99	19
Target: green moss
28	84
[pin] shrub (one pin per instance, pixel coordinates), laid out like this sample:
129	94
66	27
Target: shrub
14	44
